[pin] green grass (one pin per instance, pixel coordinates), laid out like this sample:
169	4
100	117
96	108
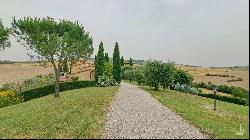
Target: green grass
223	123
77	113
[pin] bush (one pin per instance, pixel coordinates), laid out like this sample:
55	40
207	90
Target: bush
235	91
194	91
183	77
235	80
8	97
235	100
74	78
129	75
104	81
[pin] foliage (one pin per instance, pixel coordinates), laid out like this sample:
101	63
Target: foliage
75	78
122	61
108	69
99	62
124	68
129	75
104	81
167	74
182	77
116	64
78	114
130	62
54	41
4	37
235	80
65	67
219	75
159	74
152	73
8	97
106	57
139	76
48	89
235	91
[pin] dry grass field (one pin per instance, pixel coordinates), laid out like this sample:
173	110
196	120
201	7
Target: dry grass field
19	71
199	74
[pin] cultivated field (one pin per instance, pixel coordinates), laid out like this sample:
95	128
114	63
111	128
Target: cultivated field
199	74
19	71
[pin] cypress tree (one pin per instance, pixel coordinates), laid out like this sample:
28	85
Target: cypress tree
99	62
106	57
122	61
117	64
130	62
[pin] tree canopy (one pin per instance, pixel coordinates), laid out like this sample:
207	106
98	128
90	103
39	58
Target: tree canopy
4	36
54	40
116	64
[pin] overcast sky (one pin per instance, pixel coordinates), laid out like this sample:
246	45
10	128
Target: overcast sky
195	32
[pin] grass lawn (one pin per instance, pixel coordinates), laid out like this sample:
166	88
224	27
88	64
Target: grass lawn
77	113
223	123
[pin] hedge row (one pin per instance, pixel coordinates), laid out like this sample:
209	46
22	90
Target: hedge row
50	89
235	91
235	100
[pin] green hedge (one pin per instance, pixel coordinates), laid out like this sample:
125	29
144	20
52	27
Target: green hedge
50	89
235	100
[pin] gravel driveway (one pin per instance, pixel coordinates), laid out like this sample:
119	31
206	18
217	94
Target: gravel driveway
136	114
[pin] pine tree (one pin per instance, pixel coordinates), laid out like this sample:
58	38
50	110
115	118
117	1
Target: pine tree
106	57
117	64
122	61
130	62
99	62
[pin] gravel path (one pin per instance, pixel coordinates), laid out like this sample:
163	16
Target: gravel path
135	114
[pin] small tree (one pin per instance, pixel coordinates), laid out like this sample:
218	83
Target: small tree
106	57
129	75
122	61
125	68
108	69
183	77
117	64
130	62
54	41
4	37
100	60
152	74
167	74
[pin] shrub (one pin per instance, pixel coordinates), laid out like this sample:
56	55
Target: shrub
194	91
75	78
235	100
139	76
183	77
8	97
177	87
49	89
235	91
129	75
234	80
104	81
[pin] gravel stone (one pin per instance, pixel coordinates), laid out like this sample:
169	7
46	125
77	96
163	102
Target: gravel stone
135	114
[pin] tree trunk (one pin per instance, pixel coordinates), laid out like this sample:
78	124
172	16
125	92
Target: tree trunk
57	74
57	84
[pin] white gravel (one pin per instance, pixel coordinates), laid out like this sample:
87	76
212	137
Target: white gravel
135	114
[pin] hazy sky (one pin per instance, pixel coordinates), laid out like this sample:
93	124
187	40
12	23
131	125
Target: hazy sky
196	32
